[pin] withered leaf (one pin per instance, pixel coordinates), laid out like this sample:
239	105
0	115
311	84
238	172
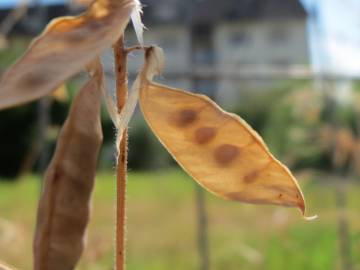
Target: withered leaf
60	94
63	49
218	149
63	211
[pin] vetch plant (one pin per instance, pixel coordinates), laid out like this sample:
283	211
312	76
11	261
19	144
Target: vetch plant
63	211
218	149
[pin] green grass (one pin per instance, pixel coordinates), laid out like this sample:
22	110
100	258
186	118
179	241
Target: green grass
162	227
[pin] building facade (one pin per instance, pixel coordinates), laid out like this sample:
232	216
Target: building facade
202	39
222	36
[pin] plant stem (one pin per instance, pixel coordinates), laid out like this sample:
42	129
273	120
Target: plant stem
121	94
202	228
342	174
343	223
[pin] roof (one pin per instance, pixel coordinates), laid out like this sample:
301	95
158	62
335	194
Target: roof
209	11
36	17
178	11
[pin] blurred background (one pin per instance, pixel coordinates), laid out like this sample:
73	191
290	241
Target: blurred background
290	68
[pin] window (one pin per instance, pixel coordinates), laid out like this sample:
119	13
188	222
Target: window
169	42
280	62
203	51
165	12
278	35
240	39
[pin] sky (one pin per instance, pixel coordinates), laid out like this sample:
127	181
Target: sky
334	36
12	3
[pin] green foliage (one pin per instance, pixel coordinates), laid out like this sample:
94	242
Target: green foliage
19	131
284	127
15	135
17	47
256	106
146	151
158	205
282	116
293	135
303	252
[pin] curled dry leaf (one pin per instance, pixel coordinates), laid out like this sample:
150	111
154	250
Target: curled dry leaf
63	49
63	211
136	20
218	149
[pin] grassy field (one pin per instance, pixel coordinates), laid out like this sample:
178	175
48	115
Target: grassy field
162	227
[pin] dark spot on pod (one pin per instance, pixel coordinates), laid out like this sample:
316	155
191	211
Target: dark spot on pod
96	24
226	153
33	79
204	135
251	177
185	117
74	37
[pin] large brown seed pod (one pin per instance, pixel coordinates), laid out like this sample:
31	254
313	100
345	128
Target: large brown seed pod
218	149
63	49
63	212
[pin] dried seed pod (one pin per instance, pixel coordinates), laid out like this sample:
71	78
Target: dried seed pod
218	149
63	211
63	49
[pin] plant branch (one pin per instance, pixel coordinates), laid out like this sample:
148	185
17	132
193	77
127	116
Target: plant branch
121	94
134	48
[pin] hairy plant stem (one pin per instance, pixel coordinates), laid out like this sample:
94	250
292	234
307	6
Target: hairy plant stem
121	94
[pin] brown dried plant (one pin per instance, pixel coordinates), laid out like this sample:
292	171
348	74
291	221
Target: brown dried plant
64	211
218	149
63	49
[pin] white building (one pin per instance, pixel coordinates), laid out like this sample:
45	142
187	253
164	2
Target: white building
225	35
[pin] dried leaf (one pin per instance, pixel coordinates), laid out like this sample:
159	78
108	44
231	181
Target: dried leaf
64	48
120	120
218	149
60	94
63	211
123	118
138	25
109	93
